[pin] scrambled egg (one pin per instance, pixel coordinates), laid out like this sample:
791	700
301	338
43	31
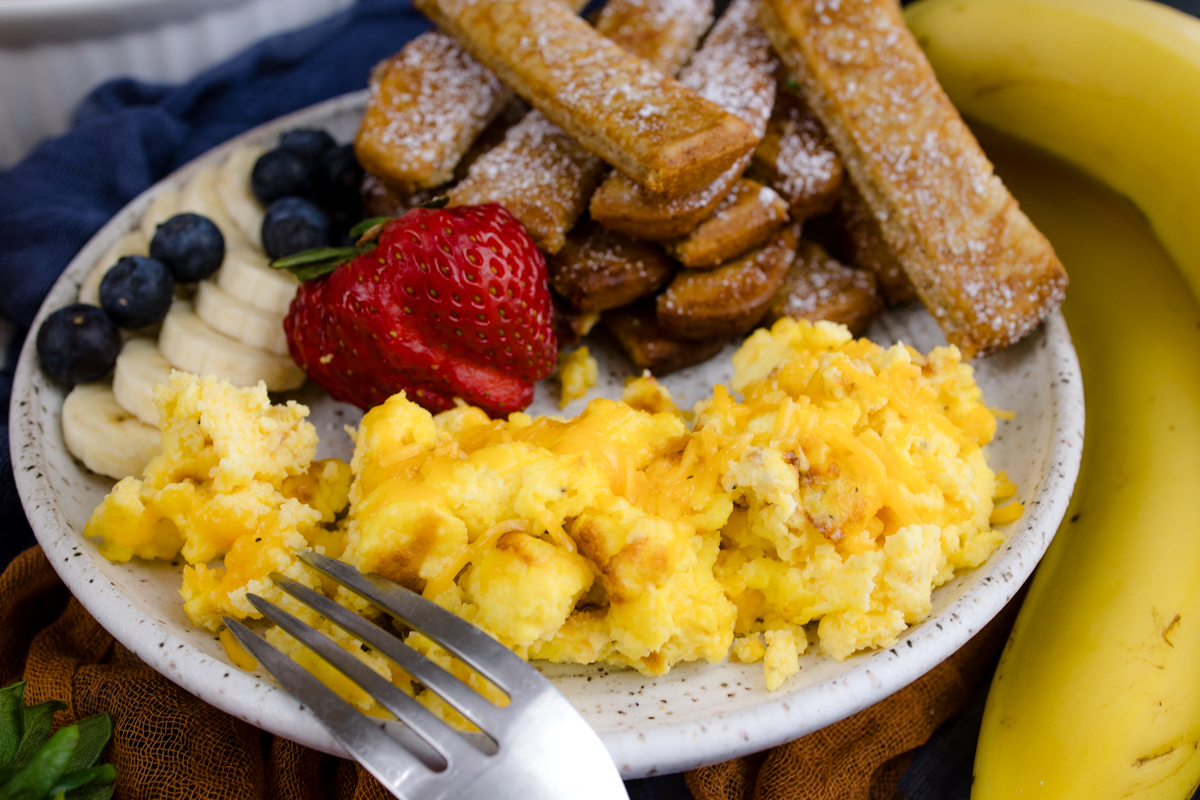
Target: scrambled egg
820	510
236	479
578	371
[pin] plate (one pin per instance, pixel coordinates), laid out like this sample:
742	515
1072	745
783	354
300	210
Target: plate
697	714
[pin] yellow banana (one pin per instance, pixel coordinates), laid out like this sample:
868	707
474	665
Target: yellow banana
1097	694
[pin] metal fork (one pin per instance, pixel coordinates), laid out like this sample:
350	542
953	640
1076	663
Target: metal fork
538	746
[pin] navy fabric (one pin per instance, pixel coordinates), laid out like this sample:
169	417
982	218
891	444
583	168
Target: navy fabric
127	135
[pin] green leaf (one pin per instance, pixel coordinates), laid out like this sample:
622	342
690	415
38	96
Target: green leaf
314	256
366	225
92	776
437	202
36	722
44	769
311	264
12	700
94	733
792	83
92	792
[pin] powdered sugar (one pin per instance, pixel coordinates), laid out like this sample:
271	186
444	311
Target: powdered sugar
427	105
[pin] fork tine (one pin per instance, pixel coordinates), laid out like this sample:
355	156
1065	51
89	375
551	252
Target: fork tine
462	697
483	653
379	753
450	747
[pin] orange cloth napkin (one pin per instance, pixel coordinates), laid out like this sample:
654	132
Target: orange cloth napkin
167	744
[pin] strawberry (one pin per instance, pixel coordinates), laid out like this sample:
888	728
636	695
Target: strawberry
449	303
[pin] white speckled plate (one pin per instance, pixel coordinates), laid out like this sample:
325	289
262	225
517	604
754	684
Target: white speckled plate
699	713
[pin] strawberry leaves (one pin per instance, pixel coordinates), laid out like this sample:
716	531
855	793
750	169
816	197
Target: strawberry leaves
35	765
310	264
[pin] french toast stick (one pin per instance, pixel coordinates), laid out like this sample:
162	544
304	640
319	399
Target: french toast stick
569	324
428	103
599	270
862	241
749	215
982	269
650	346
730	299
539	172
818	287
735	69
641	121
796	158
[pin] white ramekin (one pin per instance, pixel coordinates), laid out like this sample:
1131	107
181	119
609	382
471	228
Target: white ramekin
53	52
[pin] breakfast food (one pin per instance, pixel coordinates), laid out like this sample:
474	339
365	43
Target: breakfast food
863	241
846	485
709	304
577	372
78	344
539	172
735	70
749	215
428	103
796	157
192	346
108	439
236	478
818	287
1054	723
985	272
652	347
598	270
617	106
449	304
141	366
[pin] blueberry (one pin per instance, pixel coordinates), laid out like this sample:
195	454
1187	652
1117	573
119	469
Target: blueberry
190	245
292	224
308	143
78	344
281	173
338	179
137	292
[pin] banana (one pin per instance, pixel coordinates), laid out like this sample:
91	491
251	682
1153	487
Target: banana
140	367
233	187
226	314
190	345
249	277
199	196
105	437
164	206
131	244
1096	694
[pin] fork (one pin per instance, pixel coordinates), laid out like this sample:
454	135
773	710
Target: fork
536	747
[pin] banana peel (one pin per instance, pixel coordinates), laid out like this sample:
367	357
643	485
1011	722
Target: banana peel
1097	693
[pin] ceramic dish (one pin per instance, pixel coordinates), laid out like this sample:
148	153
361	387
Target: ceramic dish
699	713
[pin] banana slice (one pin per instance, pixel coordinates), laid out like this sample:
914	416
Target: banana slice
105	437
192	346
226	314
164	206
140	367
199	196
248	276
233	187
131	244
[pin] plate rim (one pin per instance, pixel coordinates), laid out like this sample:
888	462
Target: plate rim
668	748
